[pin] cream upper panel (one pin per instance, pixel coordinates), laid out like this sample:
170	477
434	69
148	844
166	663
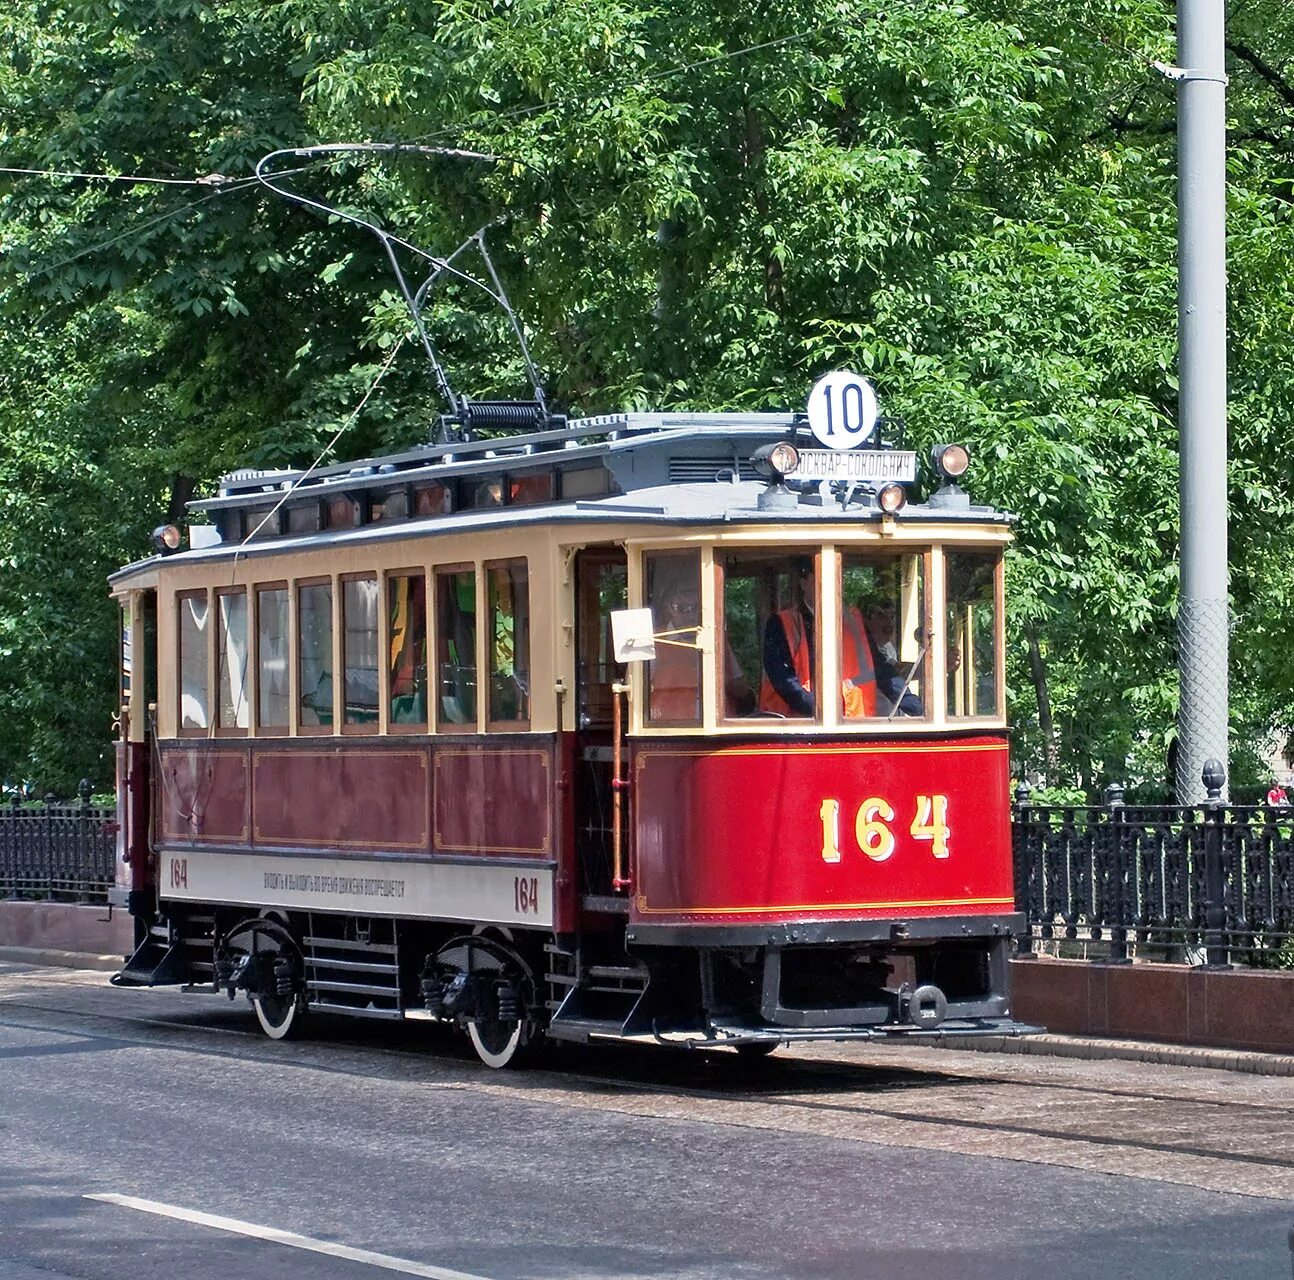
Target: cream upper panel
548	551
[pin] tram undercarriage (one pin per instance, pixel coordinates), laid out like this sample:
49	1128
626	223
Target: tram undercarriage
509	990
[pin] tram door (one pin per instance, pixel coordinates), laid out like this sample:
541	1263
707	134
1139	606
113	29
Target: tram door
601	585
136	876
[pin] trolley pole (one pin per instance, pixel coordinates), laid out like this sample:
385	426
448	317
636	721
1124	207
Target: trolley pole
1202	406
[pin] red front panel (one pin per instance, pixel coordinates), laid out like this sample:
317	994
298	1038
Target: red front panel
816	831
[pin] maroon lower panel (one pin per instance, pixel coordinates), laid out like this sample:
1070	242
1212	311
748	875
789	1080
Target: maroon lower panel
492	799
339	794
202	794
819	830
487	798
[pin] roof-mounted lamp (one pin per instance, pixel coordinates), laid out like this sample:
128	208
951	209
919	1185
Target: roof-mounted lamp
166	538
891	498
775	462
950	462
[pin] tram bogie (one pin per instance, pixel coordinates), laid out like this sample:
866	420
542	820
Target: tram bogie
590	734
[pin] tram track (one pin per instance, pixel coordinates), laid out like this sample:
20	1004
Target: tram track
781	1094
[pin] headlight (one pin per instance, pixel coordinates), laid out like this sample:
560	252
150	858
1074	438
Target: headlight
951	460
892	498
166	538
775	461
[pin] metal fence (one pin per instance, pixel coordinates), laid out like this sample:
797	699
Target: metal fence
62	850
1212	884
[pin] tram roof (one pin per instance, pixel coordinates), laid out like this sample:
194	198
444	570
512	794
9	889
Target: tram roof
667	469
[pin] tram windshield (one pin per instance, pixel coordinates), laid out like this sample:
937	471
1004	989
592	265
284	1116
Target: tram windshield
974	685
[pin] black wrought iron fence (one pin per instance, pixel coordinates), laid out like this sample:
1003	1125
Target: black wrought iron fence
1213	883
61	850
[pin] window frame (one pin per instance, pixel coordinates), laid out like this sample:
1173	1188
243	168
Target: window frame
208	644
223	730
504	726
405	727
438	723
261	729
359	728
299	727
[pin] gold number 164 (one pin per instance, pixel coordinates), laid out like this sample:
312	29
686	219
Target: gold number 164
872	827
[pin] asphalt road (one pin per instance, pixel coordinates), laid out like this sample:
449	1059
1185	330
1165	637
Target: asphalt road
388	1150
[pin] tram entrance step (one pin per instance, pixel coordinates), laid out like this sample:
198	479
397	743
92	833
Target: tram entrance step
158	961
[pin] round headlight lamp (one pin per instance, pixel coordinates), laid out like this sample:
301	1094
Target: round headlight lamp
891	498
166	538
775	461
950	460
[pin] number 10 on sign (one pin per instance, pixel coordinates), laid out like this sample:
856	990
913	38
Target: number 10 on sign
842	410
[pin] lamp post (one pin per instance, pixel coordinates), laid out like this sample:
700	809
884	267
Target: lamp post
1202	405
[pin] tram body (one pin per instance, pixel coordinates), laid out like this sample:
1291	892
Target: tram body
377	755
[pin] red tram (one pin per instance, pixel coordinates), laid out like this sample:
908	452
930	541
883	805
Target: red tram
378	755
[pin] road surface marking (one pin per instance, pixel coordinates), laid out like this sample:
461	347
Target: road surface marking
289	1238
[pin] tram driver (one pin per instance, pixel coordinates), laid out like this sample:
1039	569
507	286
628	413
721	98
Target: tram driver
787	688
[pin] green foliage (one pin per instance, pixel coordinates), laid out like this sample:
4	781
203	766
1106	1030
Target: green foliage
708	207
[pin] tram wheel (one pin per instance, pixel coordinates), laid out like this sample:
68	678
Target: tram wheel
280	1016
497	1044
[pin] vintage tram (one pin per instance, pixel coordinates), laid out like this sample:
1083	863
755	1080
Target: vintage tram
378	755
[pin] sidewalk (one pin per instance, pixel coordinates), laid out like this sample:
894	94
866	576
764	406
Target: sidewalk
1047	1045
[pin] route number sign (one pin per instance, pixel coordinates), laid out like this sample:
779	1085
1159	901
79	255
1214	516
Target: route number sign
842	410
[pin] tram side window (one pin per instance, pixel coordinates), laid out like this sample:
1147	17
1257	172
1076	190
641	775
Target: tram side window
315	666
231	658
509	647
456	648
674	677
973	633
195	712
884	651
407	616
272	696
359	651
770	636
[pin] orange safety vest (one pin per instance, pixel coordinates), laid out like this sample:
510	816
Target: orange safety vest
857	679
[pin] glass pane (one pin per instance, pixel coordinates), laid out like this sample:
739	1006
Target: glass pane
272	654
770	601
407	600
972	633
674	678
359	649
125	655
194	705
231	655
456	647
314	624
603	587
509	643
883	600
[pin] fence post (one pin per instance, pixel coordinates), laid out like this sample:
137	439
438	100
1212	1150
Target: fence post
1025	869
1215	911
1116	902
85	846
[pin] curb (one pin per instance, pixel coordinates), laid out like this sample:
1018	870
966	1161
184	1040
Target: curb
1250	1061
61	959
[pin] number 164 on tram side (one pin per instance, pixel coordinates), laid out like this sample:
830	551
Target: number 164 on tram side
665	727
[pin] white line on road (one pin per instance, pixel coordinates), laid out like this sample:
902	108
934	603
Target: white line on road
289	1238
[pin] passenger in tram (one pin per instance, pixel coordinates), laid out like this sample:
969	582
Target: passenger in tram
891	688
787	687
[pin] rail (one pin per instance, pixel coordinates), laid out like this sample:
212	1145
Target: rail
62	850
